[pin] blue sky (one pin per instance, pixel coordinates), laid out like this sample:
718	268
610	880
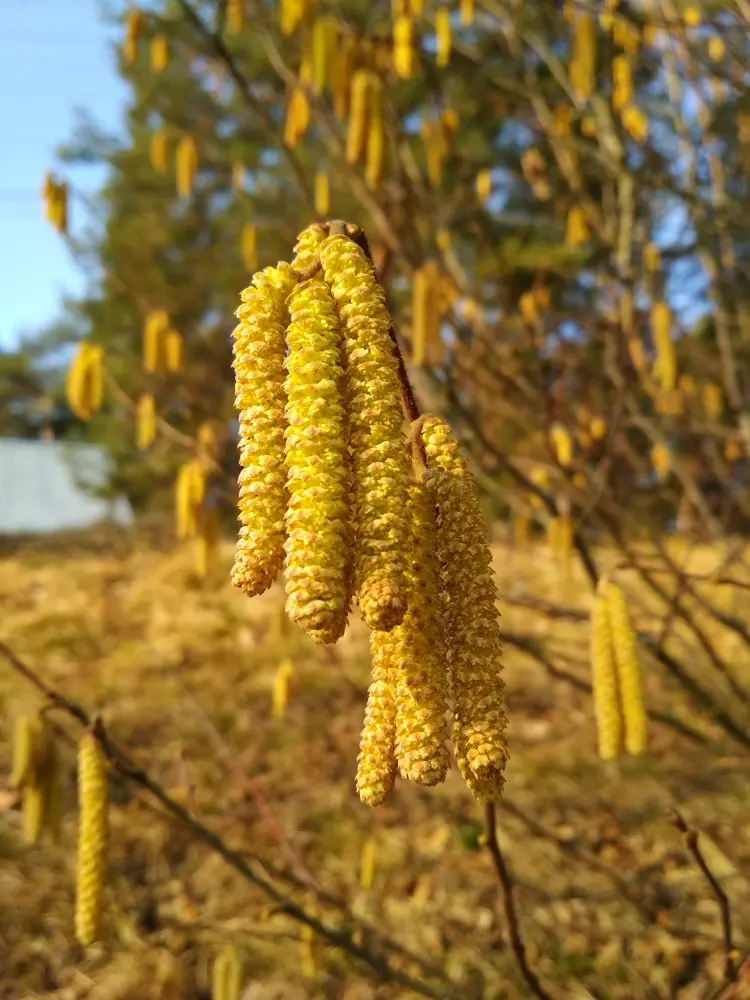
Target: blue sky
54	57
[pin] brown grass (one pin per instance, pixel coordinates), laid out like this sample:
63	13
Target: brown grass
183	675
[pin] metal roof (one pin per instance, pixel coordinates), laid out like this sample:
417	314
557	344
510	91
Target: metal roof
43	487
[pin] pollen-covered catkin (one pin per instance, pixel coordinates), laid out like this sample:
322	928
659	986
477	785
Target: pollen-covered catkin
376	764
380	460
226	979
473	632
259	386
625	643
317	517
604	680
307	248
420	656
93	835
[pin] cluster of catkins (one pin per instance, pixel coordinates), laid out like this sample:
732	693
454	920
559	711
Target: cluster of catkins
357	504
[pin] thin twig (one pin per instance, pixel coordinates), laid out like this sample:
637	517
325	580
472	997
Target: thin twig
725	908
511	918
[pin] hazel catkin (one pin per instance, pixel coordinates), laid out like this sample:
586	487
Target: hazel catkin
625	644
260	397
376	763
380	461
473	632
317	518
604	679
93	834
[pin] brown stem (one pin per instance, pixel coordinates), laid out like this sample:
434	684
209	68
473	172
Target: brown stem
725	909
506	883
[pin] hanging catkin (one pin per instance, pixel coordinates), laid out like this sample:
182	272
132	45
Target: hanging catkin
665	367
173	351
604	679
341	77
361	86
281	687
375	149
297	117
322	194
260	397
135	25
419	655
158	151
443	32
189	491
324	41
84	381
317	570
376	763
472	631
466	12
249	246
425	313
484	184
403	47
226	975
622	79
155	330
625	644
159	53
577	227
583	60
235	16
186	164
713	400
307	247
93	831
381	467
145	422
562	443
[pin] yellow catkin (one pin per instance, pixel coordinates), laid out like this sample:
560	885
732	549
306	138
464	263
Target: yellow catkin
661	460
145	421
562	443
189	492
297	116
259	348
716	48
292	14
155	330
325	35
281	687
307	247
635	122
226	975
598	428
368	862
135	25
622	80
625	642
93	835
207	440
27	747
381	466
665	366
308	965
604	680
419	655
317	567
651	258
713	400
483	184
420	315
577	227
361	86
159	53
249	246
32	813
473	632
403	47
235	16
84	381
173	351
322	193
375	147
467	12
186	164
158	152
376	763
583	60
343	66
443	32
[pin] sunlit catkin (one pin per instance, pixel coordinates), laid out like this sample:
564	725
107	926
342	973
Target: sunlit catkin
157	151
576	227
376	764
317	518
235	12
381	466
135	25
473	632
84	381
443	32
419	655
145	421
713	400
27	750
665	367
367	863
467	12
155	329
604	679
483	184
562	443
259	348
625	643
226	975
297	116
403	47
186	164
189	491
173	351
375	148
361	84
324	40
307	247
159	53
322	194
93	830
583	59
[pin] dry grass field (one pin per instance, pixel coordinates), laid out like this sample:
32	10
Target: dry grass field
610	903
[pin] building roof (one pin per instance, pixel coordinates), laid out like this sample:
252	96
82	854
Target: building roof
43	487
